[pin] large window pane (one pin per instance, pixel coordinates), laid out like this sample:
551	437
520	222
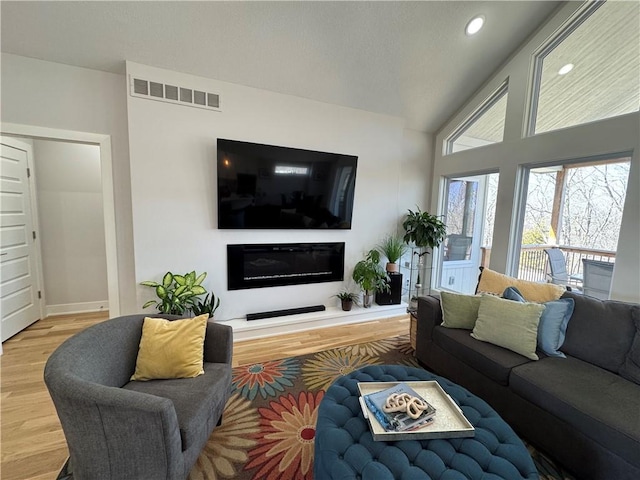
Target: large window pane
577	209
604	77
484	127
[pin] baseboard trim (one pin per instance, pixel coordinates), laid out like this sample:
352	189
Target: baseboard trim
69	308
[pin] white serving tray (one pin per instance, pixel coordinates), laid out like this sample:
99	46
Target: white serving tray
449	421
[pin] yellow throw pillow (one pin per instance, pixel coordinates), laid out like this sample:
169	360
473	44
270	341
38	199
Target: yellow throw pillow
171	349
496	283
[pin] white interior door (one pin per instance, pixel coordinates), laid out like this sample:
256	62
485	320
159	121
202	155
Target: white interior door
20	302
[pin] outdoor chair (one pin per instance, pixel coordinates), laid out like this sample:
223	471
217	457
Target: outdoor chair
558	269
458	247
597	278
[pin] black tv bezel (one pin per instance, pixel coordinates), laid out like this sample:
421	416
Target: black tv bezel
289	149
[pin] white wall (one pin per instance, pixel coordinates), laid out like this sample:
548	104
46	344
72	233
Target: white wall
610	136
72	235
173	180
46	94
415	169
393	164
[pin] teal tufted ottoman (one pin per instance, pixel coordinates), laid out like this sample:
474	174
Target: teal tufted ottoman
345	449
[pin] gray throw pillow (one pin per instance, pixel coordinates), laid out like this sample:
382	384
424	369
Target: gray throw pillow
509	324
459	311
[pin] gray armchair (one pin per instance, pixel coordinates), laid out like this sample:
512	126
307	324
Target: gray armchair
117	429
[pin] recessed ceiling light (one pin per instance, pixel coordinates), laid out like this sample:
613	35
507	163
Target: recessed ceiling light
565	69
474	25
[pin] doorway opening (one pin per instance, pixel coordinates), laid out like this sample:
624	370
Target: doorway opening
469	216
103	142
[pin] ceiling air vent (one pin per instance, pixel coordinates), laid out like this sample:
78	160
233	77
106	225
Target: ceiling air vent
174	94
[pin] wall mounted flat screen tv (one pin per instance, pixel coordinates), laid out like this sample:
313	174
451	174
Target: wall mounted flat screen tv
271	187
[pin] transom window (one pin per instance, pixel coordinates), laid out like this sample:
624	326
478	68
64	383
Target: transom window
483	127
590	70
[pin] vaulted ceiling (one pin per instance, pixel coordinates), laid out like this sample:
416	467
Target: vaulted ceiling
407	59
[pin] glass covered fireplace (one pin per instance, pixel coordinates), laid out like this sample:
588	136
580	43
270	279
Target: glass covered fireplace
278	264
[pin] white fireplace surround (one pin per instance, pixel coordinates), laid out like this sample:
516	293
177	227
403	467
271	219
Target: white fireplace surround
332	316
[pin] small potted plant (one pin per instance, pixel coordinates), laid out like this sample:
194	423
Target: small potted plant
177	293
209	305
392	247
370	276
347	299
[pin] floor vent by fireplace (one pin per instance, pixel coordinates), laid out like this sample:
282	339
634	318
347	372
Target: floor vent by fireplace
278	264
283	313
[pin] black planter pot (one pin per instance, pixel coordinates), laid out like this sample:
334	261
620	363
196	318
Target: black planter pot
346	305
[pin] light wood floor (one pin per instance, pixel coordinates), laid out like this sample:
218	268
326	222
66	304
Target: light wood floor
32	442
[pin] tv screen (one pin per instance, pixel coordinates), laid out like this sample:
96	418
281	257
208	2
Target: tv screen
265	186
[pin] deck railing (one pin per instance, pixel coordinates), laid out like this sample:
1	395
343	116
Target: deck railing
534	264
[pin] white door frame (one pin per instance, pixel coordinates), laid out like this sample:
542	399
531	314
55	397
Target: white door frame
106	169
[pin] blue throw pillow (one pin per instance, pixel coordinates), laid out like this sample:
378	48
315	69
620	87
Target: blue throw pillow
512	293
553	322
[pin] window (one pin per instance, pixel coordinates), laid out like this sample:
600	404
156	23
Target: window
577	209
591	70
483	127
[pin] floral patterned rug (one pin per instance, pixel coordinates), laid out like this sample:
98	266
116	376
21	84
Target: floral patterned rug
269	422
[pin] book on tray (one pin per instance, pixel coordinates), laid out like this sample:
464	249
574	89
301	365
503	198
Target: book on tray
399	408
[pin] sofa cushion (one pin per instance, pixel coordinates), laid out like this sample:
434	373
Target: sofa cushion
490	360
631	367
599	403
600	331
511	325
495	283
198	401
459	311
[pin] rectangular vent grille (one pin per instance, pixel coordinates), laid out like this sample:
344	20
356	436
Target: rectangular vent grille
156	89
174	94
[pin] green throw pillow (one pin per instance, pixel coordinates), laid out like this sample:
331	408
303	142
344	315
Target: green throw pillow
509	324
459	311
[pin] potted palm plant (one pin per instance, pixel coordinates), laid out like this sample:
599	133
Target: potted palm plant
392	247
347	299
370	276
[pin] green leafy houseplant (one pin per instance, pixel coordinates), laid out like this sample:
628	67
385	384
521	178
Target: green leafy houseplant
393	248
177	293
346	295
370	276
423	229
347	299
209	305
